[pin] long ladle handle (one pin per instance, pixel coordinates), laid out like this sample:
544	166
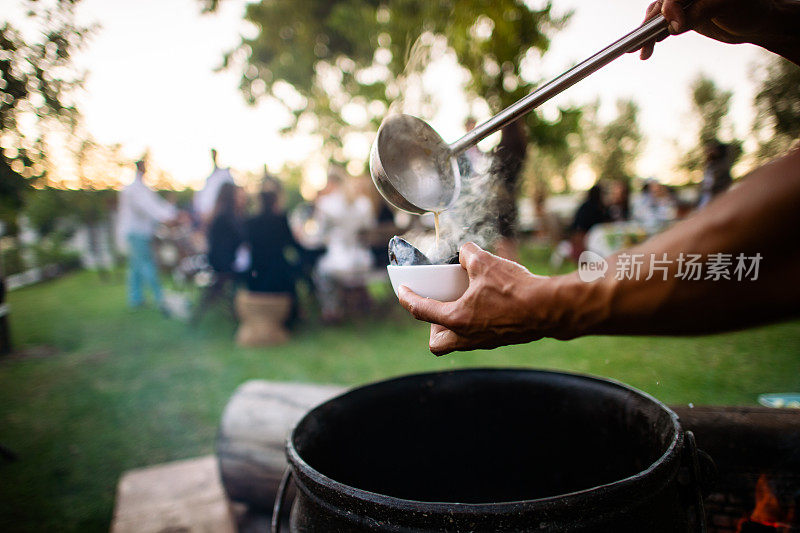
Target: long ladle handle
652	29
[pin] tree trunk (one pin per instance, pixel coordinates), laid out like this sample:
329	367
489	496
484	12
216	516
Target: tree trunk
5	330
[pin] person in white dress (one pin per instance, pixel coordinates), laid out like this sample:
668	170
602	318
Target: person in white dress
342	213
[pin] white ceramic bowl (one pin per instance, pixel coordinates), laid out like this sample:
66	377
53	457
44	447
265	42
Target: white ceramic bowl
445	283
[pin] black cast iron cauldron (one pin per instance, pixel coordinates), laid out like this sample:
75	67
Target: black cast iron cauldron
493	450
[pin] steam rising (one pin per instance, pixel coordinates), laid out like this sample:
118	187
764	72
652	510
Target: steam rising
474	216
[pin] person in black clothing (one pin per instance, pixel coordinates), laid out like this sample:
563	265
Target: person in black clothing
717	174
592	211
225	235
268	236
619	205
225	232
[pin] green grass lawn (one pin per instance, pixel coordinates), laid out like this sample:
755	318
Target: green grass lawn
104	389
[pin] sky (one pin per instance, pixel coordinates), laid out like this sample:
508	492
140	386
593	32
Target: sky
153	84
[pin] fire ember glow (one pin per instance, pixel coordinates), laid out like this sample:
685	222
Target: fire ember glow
769	513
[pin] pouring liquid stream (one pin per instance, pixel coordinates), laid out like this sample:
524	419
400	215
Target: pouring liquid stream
436	226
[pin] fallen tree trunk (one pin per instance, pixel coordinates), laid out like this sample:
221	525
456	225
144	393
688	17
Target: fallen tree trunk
253	432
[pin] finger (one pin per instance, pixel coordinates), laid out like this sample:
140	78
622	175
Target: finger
652	10
675	15
424	309
442	340
647	51
473	259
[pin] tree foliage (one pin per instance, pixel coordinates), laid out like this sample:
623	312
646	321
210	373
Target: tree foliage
36	79
778	108
319	57
615	146
557	144
710	107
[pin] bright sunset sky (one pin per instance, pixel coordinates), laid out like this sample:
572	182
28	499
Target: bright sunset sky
152	84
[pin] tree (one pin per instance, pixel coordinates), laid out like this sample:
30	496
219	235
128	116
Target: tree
36	80
321	58
777	105
710	106
615	146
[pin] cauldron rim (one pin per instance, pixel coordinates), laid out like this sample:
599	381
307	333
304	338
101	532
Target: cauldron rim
653	478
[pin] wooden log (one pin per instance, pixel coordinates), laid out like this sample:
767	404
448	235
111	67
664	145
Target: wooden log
253	432
755	437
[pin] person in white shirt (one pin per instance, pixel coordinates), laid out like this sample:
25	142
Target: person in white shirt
206	198
342	213
141	210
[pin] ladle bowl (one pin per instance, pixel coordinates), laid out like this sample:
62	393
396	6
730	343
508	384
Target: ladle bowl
412	167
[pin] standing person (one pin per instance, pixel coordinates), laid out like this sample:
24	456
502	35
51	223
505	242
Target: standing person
756	224
224	236
141	210
226	228
206	198
717	175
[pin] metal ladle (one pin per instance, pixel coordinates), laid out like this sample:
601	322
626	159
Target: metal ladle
416	171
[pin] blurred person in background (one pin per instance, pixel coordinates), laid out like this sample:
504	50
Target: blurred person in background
268	236
225	236
472	160
507	162
548	228
141	210
655	208
618	208
384	228
591	212
206	198
717	175
342	213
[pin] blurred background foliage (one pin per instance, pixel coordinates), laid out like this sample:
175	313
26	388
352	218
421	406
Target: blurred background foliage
37	80
318	57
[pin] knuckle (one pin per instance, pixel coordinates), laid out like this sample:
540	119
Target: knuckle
460	319
475	262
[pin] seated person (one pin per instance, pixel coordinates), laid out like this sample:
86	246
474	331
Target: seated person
268	236
655	208
342	213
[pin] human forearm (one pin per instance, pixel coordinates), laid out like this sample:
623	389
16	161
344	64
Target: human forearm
782	34
506	304
771	24
760	217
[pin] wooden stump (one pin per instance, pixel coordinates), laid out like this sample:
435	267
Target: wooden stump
253	432
261	318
